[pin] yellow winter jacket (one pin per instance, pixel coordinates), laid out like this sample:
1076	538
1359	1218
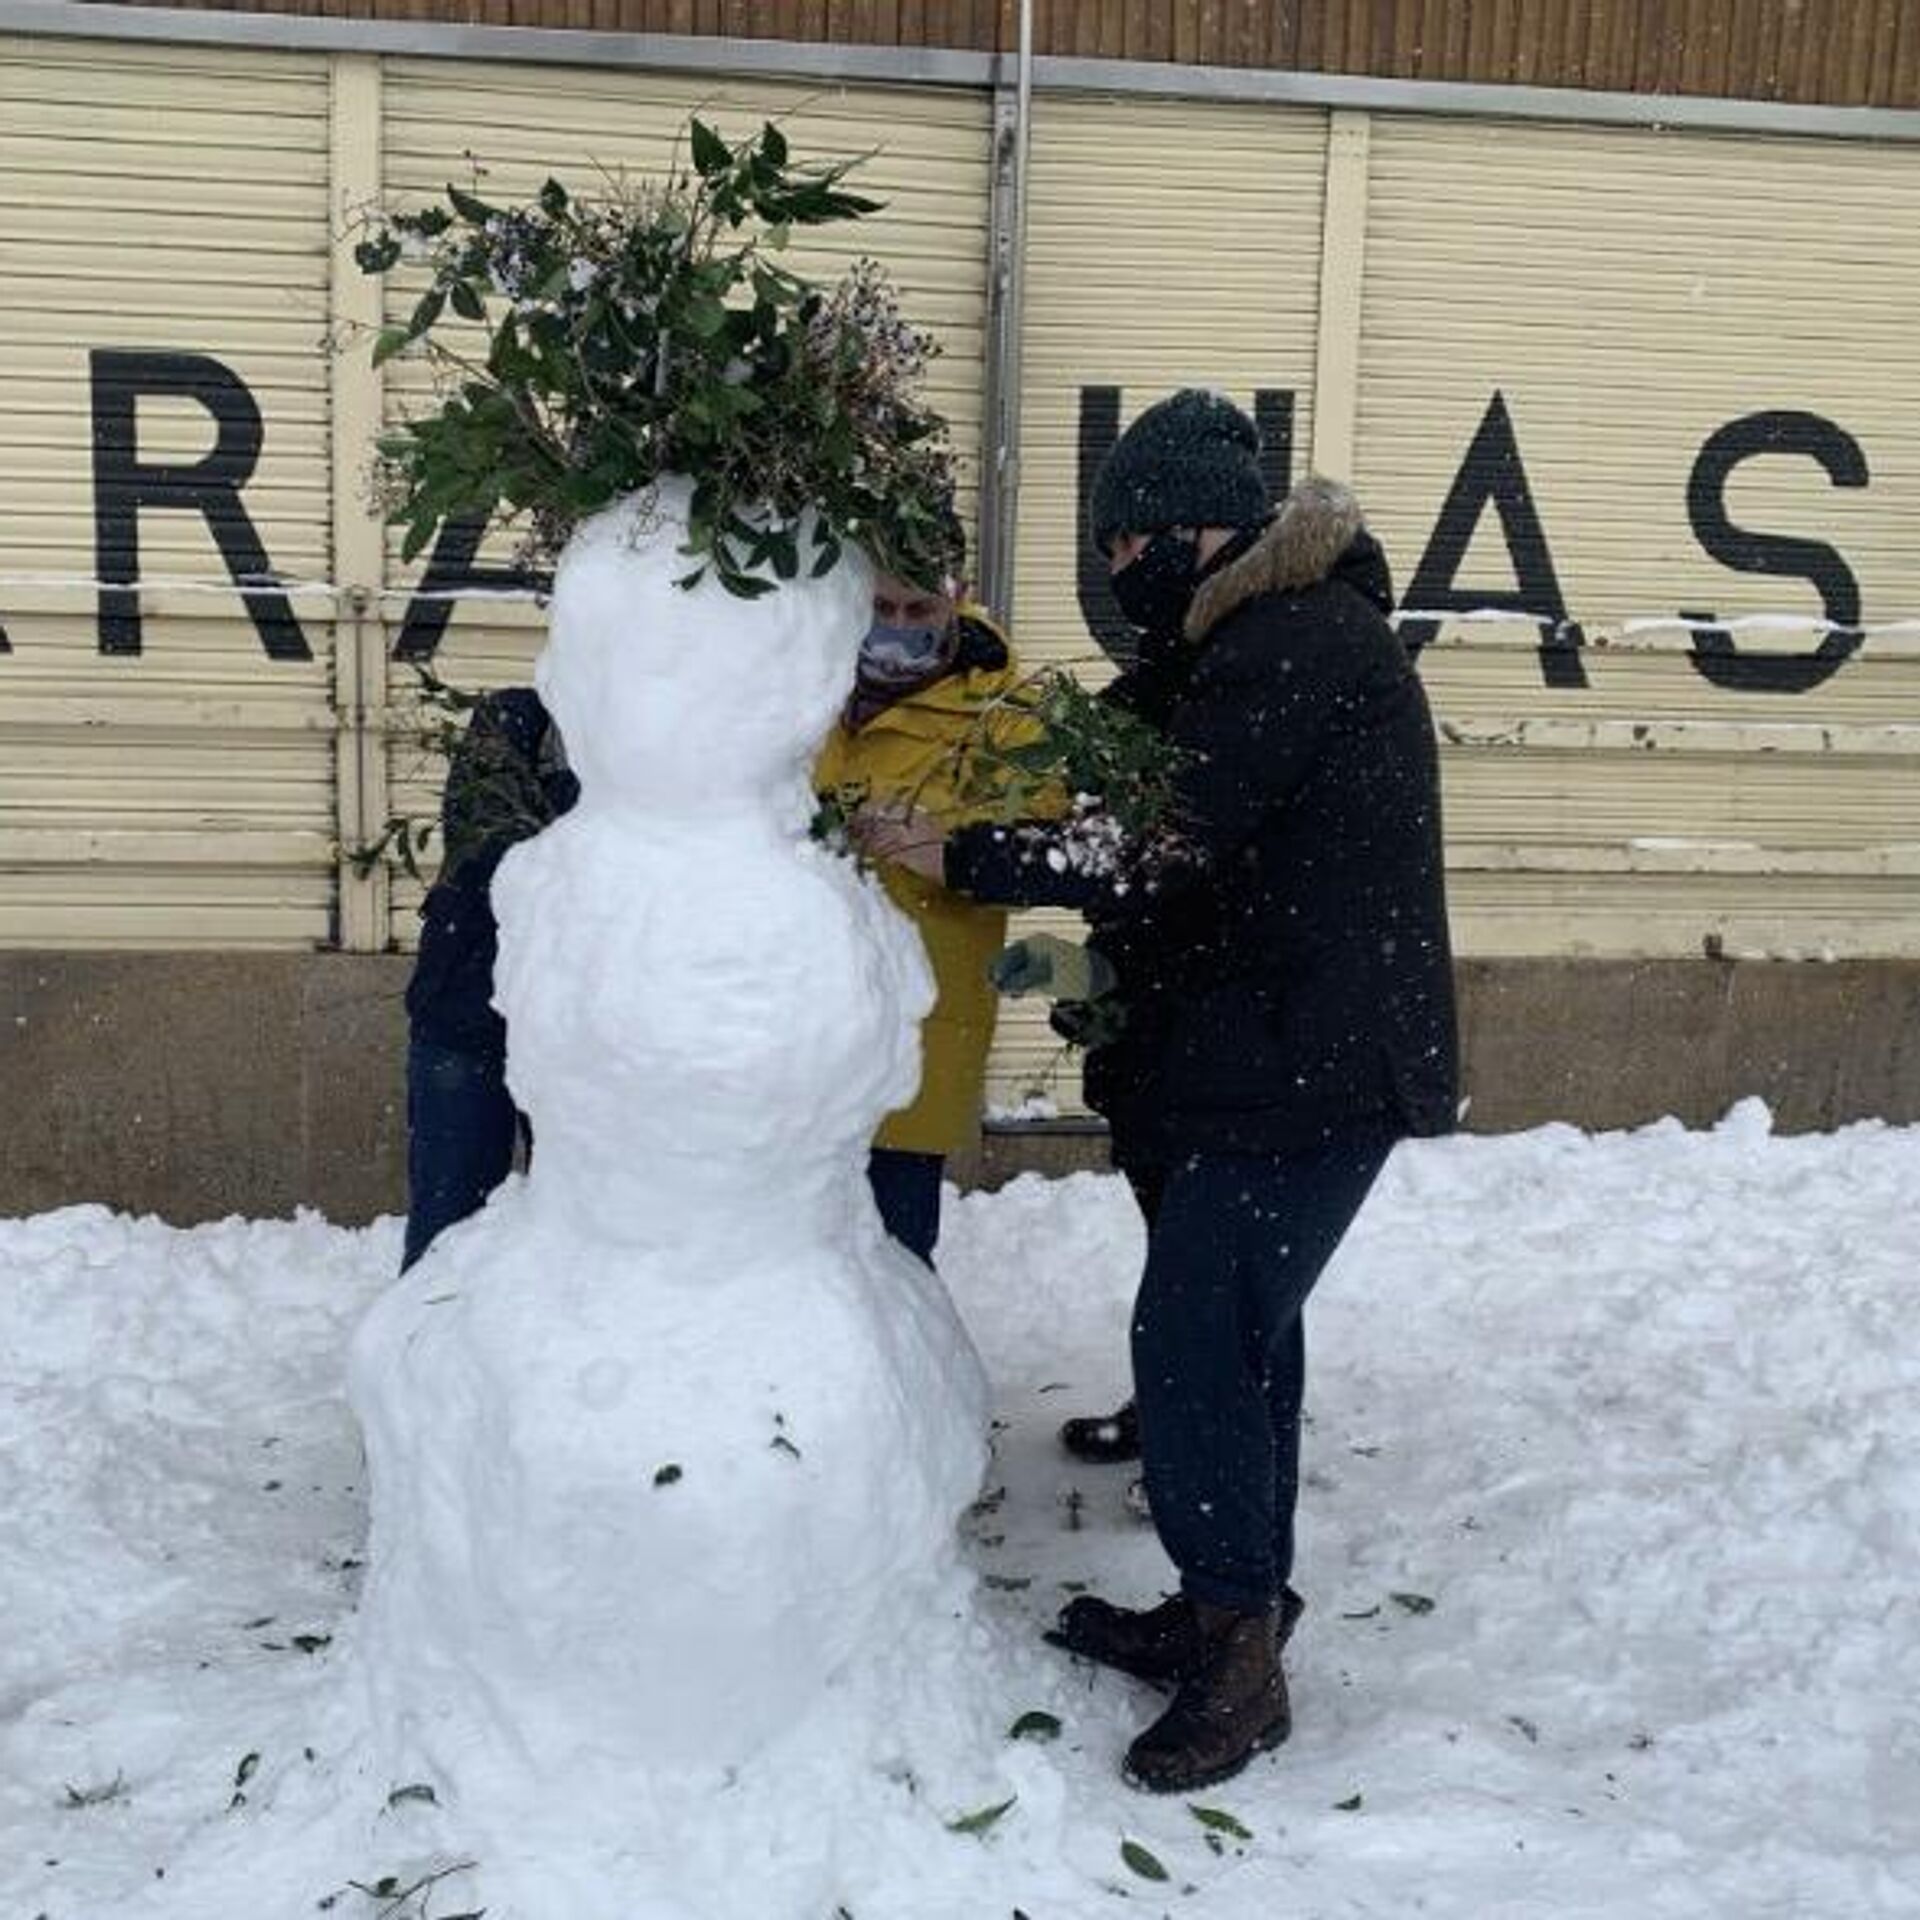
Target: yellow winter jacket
906	752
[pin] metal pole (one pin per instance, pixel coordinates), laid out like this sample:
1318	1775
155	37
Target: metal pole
1000	455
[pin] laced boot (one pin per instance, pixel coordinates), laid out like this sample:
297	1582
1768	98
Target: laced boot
1165	1644
1234	1707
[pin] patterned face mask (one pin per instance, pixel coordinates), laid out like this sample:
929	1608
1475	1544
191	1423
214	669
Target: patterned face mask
900	656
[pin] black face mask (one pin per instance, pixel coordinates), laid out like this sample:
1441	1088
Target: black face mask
1155	588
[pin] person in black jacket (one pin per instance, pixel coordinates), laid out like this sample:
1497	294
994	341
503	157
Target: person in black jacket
507	779
1282	1013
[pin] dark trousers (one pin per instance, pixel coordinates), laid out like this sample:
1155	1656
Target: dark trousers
1235	1243
461	1130
906	1188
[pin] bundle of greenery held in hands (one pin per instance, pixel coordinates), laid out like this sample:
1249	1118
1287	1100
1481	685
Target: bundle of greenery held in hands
650	330
1053	735
1088	782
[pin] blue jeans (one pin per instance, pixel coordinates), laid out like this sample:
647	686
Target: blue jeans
461	1129
1234	1246
906	1188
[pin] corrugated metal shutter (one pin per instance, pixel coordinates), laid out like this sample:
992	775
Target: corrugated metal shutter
161	201
930	164
1169	244
1629	293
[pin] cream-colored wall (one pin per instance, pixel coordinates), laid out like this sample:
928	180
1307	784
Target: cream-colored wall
160	200
1626	292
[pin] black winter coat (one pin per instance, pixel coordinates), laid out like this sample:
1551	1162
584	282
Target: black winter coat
1292	979
507	779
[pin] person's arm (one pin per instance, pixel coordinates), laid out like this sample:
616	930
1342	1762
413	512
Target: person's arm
1027	863
1249	728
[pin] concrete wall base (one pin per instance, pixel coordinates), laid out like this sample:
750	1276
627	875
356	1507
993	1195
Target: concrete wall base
196	1085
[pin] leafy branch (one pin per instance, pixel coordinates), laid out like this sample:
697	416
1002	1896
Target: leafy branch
651	330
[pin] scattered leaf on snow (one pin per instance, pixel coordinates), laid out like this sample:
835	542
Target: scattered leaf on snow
1035	1726
1349	1806
981	1818
1142	1862
419	1791
667	1475
1413	1602
1219	1820
1008	1582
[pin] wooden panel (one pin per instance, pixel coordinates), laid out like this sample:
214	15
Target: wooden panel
1628	293
1840	52
184	794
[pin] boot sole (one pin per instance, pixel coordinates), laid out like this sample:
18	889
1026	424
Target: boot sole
1275	1736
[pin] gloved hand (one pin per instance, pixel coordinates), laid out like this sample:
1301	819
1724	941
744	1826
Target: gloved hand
1043	963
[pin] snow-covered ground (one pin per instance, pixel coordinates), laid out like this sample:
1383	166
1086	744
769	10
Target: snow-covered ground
1611	1535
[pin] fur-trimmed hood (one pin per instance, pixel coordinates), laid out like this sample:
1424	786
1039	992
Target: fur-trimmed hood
1301	546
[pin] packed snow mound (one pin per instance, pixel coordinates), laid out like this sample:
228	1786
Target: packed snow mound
1612	1549
669	1445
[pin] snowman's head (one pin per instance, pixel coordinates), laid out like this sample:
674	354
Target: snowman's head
677	697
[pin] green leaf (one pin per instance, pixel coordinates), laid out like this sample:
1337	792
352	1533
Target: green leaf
1219	1820
773	143
667	1475
391	340
1142	1862
467	303
1415	1603
1035	1725
711	154
378	254
554	198
474	211
426	313
982	1817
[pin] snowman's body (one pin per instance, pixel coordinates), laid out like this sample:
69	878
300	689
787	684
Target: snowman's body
668	1444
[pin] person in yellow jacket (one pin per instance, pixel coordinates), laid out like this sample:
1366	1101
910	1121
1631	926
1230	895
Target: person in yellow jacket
931	669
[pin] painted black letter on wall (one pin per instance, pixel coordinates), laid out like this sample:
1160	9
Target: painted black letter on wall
1493	471
123	484
451	572
1099	429
1714	653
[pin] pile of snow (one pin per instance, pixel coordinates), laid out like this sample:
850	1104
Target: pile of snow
1611	1535
670	1444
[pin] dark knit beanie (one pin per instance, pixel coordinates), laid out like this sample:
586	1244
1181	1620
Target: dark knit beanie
1191	460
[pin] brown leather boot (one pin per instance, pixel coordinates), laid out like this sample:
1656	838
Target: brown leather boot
1233	1708
1164	1644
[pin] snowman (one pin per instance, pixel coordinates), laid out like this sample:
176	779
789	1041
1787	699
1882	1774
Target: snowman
668	1444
